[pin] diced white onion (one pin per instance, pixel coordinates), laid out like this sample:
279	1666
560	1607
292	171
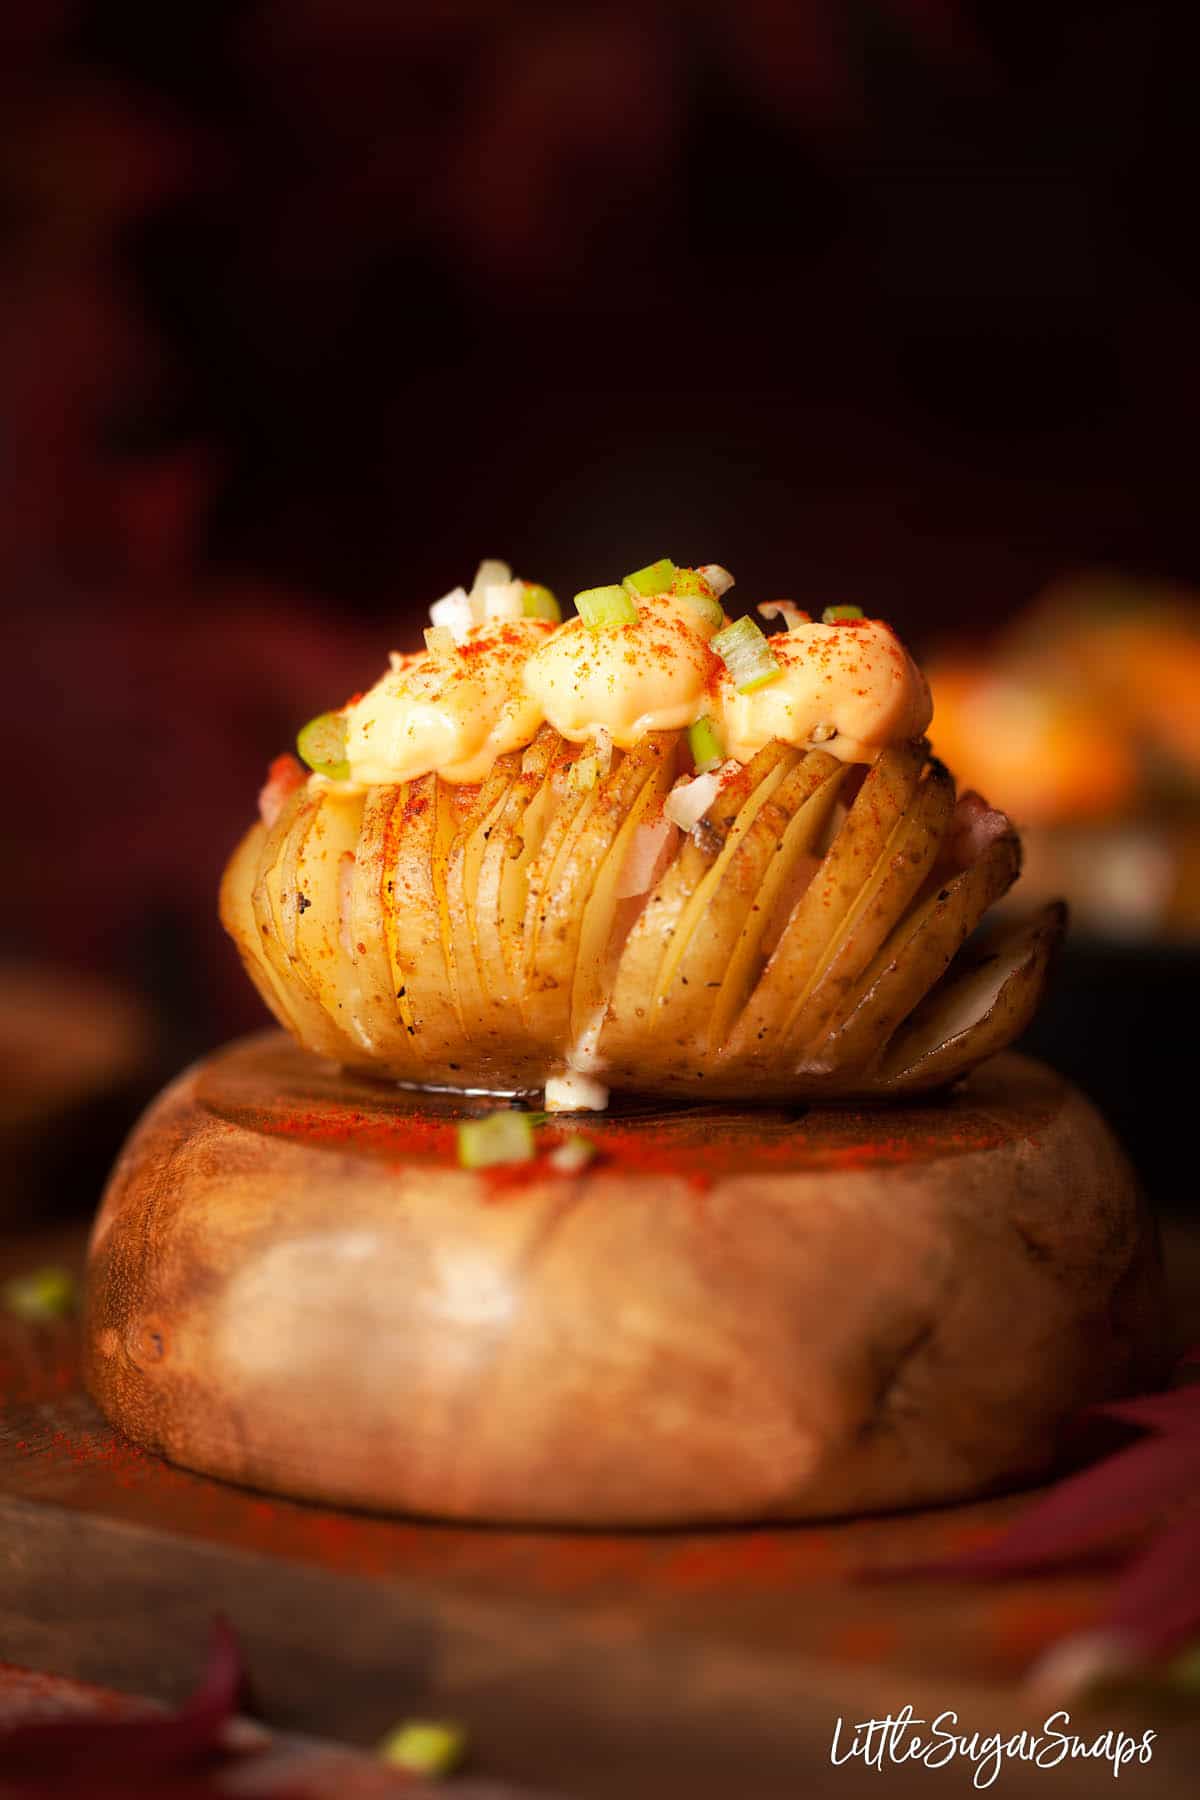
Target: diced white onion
453	613
440	640
572	1157
689	802
503	600
718	579
490	573
787	610
645	859
574	1092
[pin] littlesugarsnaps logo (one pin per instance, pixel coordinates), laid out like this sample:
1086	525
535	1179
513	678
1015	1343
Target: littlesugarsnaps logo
903	1738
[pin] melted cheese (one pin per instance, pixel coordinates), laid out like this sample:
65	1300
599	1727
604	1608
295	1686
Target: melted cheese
455	713
628	680
850	687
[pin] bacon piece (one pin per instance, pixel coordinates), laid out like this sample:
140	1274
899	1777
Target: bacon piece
283	777
974	826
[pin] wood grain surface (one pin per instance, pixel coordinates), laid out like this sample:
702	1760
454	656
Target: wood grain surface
731	1315
709	1662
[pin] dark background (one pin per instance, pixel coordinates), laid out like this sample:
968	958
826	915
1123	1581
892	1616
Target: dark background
308	305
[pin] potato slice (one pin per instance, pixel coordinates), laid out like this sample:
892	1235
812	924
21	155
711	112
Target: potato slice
417	838
462	880
608	920
986	999
675	906
916	955
500	890
307	882
581	872
235	904
330	834
908	856
852	859
730	898
386	1016
817	784
311	1021
567	807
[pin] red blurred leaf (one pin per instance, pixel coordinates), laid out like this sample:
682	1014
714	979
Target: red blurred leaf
134	1752
1158	1598
1089	1510
1171	1411
1156	1602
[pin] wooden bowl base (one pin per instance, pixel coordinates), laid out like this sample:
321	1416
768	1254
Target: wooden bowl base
729	1315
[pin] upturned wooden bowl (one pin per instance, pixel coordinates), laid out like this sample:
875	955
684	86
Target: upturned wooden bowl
730	1315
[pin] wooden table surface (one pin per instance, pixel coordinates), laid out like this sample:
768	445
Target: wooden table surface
593	1664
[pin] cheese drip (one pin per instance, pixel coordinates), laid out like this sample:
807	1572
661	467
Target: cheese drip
473	696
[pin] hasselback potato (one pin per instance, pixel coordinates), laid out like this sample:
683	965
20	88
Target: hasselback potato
805	936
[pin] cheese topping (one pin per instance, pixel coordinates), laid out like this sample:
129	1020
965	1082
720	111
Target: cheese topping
852	688
484	688
455	712
628	680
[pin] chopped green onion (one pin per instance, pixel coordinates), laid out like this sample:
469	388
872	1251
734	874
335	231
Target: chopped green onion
40	1295
601	607
655	578
690	585
539	603
573	1154
322	744
425	1746
747	655
502	1137
833	615
704	742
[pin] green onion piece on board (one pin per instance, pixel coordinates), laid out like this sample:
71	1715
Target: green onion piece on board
704	742
39	1296
425	1746
655	578
603	607
322	744
502	1137
834	614
539	603
747	655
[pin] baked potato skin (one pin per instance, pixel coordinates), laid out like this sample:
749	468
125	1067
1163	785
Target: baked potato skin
803	938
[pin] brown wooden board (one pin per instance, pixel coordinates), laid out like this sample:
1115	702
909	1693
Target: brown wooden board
729	1315
699	1662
